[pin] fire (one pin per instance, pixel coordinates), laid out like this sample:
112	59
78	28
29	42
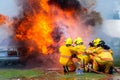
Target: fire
40	29
40	32
2	19
45	5
43	16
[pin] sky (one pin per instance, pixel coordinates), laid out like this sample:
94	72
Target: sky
9	8
107	8
110	12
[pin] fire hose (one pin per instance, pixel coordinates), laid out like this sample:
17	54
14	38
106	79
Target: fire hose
116	69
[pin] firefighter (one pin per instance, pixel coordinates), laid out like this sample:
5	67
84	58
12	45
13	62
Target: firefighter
89	52
80	49
66	55
102	58
108	49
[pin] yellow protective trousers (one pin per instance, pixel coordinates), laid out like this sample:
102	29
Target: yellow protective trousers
85	59
103	60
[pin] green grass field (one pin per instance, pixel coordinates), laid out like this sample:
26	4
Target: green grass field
7	74
35	74
117	61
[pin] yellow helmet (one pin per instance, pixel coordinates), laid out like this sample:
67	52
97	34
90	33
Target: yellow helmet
68	41
78	40
96	41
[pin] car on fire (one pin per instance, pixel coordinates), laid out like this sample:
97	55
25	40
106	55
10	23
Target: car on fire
9	56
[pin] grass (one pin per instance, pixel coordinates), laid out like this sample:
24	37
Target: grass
10	73
117	61
85	76
33	74
36	74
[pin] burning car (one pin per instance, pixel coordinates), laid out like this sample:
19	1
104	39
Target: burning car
9	56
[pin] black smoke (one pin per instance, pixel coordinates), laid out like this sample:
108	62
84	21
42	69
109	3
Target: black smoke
56	34
88	17
66	4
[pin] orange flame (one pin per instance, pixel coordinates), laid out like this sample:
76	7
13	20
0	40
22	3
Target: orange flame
40	30
2	19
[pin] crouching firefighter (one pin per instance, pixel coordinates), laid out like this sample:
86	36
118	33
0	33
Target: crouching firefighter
102	56
80	49
66	55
